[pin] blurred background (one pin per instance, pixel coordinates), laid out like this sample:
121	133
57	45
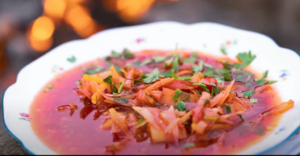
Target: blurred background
29	29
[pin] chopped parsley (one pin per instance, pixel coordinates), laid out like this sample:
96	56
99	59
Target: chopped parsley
173	75
140	121
177	94
128	54
245	58
145	62
263	80
228	109
166	74
225	72
202	85
72	59
109	81
114	89
180	105
223	50
207	65
188	145
265	74
185	78
271	81
248	93
240	76
152	77
138	63
248	84
208	72
191	59
121	87
175	65
93	70
198	68
253	100
116	55
241	117
48	87
158	59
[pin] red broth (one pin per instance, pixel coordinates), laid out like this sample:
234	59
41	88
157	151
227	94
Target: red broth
78	131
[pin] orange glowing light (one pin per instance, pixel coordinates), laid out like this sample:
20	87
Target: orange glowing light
42	28
131	10
55	8
76	1
79	18
40	45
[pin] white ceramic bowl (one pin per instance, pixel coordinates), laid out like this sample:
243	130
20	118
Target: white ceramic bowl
282	64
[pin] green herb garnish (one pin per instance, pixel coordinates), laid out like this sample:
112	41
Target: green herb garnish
166	74
121	87
114	89
180	105
128	54
138	63
177	94
109	81
271	81
152	77
253	100
158	59
188	145
72	59
140	121
146	62
198	68
208	72
223	50
173	75
248	93
191	59
116	55
241	117
240	76
245	58
202	85
248	84
228	109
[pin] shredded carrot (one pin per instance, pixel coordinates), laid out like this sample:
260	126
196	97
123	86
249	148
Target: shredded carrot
184	72
197	77
280	108
185	117
226	92
116	78
72	105
91	78
159	84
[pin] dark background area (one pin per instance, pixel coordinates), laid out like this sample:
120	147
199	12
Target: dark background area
31	28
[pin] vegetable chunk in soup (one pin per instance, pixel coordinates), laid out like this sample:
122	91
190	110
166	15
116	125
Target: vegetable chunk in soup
157	102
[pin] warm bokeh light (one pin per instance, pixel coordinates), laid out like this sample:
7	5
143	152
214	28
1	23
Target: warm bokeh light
129	10
76	1
42	28
40	35
40	45
55	8
79	18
